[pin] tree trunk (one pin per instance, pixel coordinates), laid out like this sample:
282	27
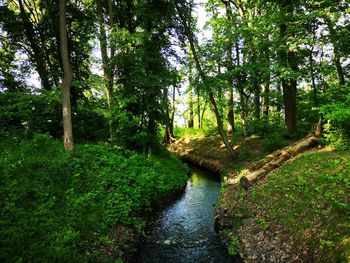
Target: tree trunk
288	59
313	82
336	58
106	63
257	103
169	127
230	114
112	42
275	160
67	80
190	105
279	92
265	101
289	99
204	79
230	67
199	110
244	112
256	88
37	56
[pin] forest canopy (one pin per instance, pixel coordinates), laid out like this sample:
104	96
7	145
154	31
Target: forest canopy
267	65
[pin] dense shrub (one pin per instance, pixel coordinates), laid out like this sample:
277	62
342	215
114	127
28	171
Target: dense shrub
337	127
25	114
63	207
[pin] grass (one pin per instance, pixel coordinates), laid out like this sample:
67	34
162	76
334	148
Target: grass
310	198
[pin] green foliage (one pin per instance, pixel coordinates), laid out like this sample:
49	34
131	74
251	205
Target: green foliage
23	114
337	128
233	248
183	132
64	207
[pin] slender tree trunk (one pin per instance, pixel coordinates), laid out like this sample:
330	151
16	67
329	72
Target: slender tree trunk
202	114
265	101
112	42
288	59
104	53
37	55
230	67
199	110
230	113
204	79
244	113
256	88
106	63
336	51
67	80
169	127
257	103
313	82
190	104
279	92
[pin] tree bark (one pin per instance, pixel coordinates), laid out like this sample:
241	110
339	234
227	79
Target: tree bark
288	59
230	67
190	100
204	79
230	113
265	101
106	61
37	55
275	160
169	127
336	51
199	110
67	80
104	53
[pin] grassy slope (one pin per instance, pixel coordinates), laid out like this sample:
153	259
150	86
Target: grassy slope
79	207
212	148
309	197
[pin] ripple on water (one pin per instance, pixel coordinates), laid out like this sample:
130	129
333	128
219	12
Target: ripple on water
184	232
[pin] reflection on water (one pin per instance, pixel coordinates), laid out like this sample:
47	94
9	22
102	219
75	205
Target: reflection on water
184	232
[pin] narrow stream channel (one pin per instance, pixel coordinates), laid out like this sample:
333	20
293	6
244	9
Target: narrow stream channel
184	232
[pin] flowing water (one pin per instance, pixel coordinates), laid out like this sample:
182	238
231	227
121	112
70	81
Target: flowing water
184	232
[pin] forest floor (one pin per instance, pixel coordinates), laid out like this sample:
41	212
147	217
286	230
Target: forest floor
299	213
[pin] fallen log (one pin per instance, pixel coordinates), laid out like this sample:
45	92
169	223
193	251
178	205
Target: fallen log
207	164
276	159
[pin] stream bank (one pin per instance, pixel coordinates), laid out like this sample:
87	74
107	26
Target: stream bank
298	213
184	231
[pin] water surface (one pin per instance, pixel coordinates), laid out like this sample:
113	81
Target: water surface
184	232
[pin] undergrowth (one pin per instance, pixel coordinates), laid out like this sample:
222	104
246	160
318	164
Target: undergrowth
60	207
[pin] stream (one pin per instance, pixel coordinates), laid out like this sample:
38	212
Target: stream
184	231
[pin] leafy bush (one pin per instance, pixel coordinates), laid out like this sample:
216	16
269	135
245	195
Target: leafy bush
64	207
25	114
183	132
233	248
337	128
